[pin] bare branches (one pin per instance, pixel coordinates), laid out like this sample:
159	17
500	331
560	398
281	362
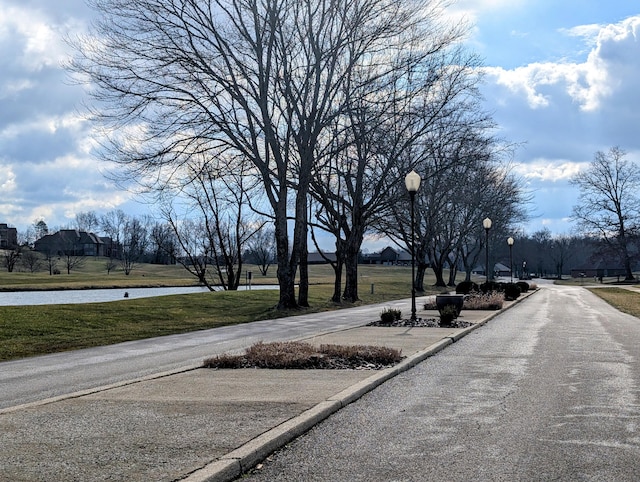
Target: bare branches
609	204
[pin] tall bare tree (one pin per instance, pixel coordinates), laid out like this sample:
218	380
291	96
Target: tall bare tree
609	204
386	120
264	80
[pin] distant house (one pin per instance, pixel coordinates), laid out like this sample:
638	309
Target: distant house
8	237
388	256
499	270
71	242
597	272
603	268
320	258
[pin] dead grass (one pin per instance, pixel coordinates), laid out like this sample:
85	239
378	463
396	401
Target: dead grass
300	355
479	301
621	299
476	301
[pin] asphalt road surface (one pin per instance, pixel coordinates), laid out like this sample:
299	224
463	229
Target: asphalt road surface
38	378
546	391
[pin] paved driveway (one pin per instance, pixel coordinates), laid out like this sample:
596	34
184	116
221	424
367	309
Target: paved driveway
546	391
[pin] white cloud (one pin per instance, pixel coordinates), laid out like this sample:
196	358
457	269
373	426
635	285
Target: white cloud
7	181
610	64
42	43
547	170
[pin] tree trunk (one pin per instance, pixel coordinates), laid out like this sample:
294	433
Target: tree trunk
351	276
352	251
438	270
337	284
421	270
286	271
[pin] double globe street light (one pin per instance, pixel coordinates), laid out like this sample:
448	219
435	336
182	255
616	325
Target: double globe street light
412	183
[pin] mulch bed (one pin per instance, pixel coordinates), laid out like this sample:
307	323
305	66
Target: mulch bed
422	323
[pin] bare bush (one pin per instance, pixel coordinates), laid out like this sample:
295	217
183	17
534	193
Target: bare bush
299	355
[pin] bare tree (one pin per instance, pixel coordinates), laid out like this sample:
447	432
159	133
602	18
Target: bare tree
87	221
129	239
163	244
135	240
51	259
262	249
264	80
10	258
30	260
386	119
609	204
69	250
561	252
215	229
112	224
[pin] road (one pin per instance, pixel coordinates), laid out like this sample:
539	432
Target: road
39	378
546	391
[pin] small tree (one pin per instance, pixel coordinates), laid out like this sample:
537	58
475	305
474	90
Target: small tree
262	249
31	260
10	258
135	239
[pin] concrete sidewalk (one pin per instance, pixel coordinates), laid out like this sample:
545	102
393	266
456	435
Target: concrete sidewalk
199	424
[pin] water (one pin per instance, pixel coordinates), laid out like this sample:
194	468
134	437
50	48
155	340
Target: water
60	297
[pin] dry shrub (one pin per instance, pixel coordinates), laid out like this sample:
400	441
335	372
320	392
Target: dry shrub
479	301
225	361
299	355
362	354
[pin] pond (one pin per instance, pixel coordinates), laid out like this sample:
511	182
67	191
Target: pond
60	297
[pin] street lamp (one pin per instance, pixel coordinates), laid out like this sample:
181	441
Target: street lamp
486	224
412	182
510	243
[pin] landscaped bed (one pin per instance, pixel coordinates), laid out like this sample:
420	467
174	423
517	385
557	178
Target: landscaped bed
300	355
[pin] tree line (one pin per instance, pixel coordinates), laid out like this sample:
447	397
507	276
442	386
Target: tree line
129	240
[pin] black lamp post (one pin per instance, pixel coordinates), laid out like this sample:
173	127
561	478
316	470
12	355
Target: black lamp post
412	182
486	224
510	243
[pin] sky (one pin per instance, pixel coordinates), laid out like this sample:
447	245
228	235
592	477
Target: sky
561	81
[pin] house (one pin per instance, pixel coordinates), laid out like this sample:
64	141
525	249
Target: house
388	256
71	242
499	270
321	258
597	272
8	237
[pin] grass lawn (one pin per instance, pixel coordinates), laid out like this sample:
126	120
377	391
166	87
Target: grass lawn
624	300
34	330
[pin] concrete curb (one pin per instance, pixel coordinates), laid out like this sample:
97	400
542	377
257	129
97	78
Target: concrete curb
244	458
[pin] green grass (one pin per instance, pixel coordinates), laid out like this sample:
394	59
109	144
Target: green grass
94	275
624	300
34	330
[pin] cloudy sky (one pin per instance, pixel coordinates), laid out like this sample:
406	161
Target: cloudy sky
562	82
